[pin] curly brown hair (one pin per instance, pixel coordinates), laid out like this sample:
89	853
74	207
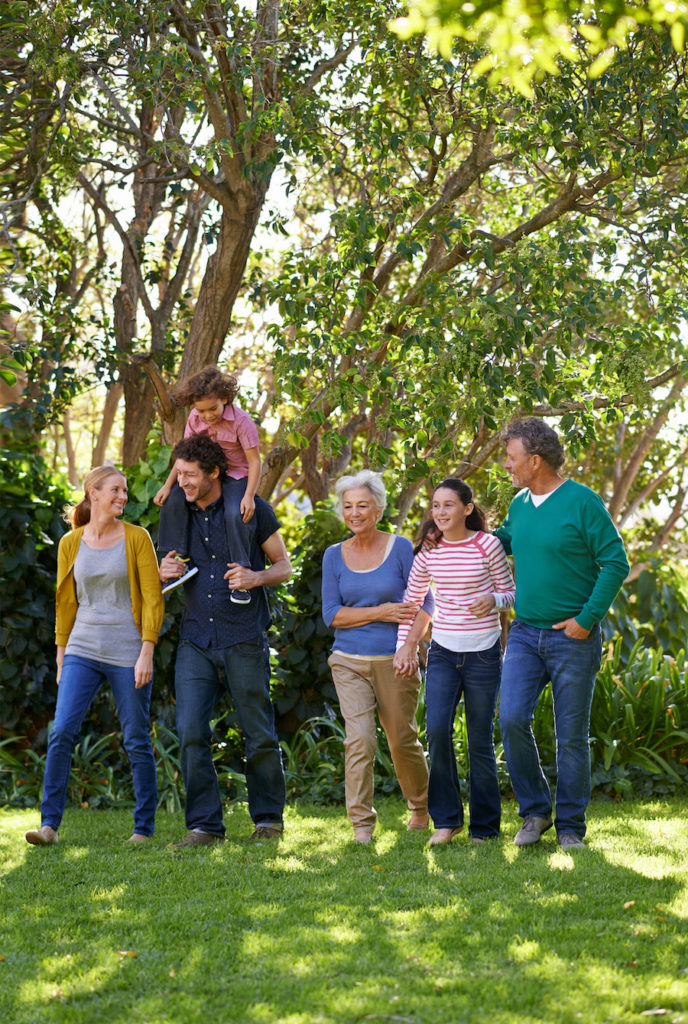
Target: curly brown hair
203	450
210	382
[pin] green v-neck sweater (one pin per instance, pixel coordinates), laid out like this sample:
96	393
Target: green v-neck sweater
569	559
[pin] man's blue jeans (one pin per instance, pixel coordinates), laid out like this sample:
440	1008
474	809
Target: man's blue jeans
79	683
475	675
201	677
533	658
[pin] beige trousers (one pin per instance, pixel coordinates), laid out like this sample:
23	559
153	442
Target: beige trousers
362	685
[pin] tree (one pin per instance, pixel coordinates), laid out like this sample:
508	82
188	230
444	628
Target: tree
451	253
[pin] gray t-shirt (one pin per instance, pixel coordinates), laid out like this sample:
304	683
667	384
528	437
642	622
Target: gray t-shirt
104	628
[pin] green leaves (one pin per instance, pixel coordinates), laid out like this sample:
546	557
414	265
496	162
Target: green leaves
526	39
30	528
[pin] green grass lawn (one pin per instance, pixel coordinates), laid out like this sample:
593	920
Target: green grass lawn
317	929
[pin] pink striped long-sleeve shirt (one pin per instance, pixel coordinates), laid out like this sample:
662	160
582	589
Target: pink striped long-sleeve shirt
460	572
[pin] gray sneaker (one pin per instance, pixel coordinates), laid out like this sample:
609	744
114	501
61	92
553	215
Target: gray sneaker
570	841
531	830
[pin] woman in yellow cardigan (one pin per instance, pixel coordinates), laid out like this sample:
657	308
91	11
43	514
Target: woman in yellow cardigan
109	612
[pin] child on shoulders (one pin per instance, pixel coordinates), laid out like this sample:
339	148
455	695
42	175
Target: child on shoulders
211	395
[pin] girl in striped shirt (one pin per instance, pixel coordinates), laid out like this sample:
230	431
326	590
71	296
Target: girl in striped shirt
472	581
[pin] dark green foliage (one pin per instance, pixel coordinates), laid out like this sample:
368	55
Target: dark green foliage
301	675
144	480
640	713
30	528
652	609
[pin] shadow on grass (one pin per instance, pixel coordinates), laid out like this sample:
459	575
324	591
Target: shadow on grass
315	928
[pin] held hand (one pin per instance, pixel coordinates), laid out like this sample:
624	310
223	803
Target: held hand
405	662
143	670
572	629
402	612
162	496
241	578
482	605
247	508
171	567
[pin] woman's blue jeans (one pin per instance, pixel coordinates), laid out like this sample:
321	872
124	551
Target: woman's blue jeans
79	683
475	676
533	658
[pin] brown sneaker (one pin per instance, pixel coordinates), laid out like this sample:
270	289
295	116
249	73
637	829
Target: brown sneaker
196	839
264	832
45	836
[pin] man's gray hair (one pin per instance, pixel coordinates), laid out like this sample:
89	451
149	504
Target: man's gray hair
537	438
365	478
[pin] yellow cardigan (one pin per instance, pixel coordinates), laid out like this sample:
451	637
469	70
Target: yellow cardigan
147	602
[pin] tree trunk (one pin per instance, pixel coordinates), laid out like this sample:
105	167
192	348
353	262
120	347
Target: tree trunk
69	448
221	283
112	400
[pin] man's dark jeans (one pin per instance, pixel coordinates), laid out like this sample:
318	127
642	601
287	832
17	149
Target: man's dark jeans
201	676
533	658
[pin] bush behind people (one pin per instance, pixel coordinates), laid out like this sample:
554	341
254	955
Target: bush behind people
639	713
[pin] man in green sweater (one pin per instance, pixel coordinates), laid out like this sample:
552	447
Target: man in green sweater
569	564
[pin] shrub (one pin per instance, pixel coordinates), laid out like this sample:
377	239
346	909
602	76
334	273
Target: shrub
640	714
30	528
653	609
302	682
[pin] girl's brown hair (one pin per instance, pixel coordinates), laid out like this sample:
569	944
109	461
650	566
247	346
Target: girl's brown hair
80	514
207	383
476	520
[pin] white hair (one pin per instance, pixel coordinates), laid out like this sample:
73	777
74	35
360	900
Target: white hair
365	478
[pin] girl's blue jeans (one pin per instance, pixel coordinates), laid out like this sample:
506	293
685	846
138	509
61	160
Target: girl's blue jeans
80	681
473	675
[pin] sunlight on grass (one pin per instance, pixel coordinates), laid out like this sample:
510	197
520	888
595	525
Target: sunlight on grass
315	928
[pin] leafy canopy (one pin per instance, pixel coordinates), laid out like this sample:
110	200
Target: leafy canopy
525	38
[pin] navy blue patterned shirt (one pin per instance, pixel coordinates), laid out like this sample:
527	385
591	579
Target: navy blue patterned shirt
210	619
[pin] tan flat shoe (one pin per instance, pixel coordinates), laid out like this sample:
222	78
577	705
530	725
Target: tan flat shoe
442	836
45	836
419	821
137	837
363	836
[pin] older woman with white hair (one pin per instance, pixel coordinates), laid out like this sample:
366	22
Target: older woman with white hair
363	583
